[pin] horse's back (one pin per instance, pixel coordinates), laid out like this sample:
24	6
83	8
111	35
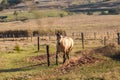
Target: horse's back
68	42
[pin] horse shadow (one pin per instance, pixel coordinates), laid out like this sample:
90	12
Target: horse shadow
26	68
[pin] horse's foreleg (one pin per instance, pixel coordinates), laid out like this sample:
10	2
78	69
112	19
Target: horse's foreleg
56	58
64	58
67	54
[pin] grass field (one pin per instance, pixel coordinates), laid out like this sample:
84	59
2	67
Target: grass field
16	63
74	23
32	14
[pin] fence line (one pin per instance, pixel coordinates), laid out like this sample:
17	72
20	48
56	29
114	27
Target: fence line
95	35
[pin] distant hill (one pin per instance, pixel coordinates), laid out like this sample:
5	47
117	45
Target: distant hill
71	5
5	4
110	6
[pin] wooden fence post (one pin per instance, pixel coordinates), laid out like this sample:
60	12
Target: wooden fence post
31	37
6	37
108	35
13	37
94	35
82	36
105	40
38	42
73	34
49	37
118	34
48	55
3	37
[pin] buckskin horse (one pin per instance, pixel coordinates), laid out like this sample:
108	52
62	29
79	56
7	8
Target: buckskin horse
65	45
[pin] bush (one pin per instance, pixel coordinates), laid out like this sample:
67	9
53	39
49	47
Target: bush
8	3
22	18
90	13
17	48
111	50
114	11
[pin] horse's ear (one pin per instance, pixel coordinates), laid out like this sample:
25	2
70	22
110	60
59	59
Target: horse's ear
57	34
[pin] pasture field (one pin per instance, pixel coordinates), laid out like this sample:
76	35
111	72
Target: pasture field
19	58
25	64
31	14
73	23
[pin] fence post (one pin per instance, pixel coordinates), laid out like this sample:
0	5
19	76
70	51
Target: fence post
48	55
108	35
31	37
94	35
13	37
118	34
38	42
82	36
73	34
3	37
105	40
49	37
6	37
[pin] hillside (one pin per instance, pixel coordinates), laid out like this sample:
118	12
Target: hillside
61	4
110	6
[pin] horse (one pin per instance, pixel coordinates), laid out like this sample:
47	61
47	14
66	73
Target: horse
65	45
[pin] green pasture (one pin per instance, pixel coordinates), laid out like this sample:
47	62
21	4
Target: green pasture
16	65
34	14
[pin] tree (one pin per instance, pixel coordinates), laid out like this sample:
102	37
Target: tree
8	3
15	13
5	4
13	2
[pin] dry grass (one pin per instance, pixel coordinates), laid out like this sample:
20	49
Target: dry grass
74	23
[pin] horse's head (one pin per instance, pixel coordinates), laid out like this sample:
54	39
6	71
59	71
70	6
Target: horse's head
59	36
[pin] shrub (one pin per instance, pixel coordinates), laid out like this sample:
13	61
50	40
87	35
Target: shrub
90	13
17	47
110	50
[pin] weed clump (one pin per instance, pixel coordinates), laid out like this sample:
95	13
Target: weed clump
111	50
17	47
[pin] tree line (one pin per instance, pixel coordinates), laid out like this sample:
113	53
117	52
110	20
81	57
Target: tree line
5	4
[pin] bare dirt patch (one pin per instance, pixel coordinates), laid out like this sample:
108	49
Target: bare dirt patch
88	57
40	58
83	59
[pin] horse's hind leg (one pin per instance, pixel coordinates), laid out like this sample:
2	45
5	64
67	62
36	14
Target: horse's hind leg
64	58
56	58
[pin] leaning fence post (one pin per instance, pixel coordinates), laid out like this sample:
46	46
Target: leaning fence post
38	42
82	36
118	34
48	55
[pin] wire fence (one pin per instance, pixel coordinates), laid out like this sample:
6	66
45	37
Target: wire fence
82	38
